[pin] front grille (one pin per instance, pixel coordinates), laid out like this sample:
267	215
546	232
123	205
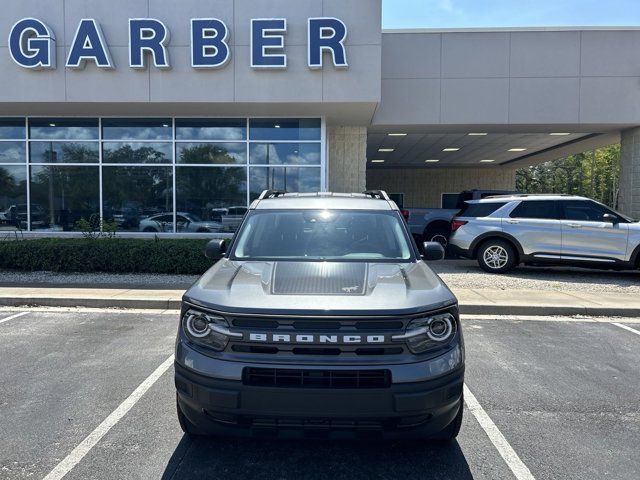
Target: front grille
304	325
297	378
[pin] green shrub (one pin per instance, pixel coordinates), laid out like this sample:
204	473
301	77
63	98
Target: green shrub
114	255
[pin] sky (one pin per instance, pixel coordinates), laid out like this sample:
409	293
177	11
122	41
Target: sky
508	13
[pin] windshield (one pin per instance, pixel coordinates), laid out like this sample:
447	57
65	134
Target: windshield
322	235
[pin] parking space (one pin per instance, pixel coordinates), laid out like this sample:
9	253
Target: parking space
564	395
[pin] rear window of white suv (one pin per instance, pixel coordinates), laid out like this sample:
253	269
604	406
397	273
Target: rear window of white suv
479	210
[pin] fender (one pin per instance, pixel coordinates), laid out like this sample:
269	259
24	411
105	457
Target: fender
474	246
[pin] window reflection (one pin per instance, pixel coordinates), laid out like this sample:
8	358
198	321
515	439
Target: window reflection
62	195
211	153
132	194
216	195
285	129
285	153
63	129
12	152
137	129
64	152
12	128
13	197
211	129
116	152
291	179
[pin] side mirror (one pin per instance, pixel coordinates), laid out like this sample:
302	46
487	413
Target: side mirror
215	249
608	217
432	251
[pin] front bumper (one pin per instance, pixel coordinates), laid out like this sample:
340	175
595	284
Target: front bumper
420	407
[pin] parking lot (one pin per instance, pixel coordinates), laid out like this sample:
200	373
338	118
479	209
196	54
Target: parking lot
561	395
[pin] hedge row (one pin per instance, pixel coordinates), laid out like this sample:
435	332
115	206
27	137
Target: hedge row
114	255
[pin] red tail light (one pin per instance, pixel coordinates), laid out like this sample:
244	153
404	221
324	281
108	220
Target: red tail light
456	224
405	214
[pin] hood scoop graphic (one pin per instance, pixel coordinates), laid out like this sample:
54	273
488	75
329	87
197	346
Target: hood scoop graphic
319	278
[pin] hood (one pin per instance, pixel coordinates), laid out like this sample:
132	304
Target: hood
320	288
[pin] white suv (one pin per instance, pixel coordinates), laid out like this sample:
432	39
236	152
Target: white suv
503	231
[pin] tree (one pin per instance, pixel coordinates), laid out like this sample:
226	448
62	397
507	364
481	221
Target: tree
594	174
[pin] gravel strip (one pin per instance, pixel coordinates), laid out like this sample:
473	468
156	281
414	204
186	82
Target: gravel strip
467	274
97	280
456	273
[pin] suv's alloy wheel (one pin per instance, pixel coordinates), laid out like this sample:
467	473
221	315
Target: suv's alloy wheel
496	256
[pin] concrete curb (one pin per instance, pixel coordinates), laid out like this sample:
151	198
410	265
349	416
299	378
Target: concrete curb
465	308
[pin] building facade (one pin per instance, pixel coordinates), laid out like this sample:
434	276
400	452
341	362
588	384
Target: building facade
168	117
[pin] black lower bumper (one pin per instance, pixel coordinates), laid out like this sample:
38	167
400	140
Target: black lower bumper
406	410
455	251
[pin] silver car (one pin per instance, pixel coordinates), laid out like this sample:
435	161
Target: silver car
503	231
185	222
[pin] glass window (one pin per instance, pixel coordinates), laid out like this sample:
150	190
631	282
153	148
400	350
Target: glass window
211	153
13	197
145	152
322	235
12	152
12	128
583	210
479	210
63	128
64	152
211	129
62	195
291	179
285	153
285	129
542	209
132	194
137	129
216	195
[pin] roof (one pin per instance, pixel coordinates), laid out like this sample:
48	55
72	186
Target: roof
324	200
530	197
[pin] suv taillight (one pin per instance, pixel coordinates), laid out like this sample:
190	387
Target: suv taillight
456	224
405	214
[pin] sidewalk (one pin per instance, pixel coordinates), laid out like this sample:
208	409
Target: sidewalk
472	301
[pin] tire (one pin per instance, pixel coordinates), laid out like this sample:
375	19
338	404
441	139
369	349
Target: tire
185	424
438	234
150	229
497	256
452	430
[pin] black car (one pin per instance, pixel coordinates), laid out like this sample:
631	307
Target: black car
320	318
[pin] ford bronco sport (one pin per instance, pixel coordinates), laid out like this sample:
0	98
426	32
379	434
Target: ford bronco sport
320	319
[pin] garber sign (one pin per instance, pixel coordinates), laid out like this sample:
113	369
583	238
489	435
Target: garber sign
32	44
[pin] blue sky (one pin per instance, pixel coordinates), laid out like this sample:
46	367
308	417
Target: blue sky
508	13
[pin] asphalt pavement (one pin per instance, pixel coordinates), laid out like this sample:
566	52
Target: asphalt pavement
563	394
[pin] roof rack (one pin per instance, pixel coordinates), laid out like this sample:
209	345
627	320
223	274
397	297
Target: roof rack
378	194
271	194
519	195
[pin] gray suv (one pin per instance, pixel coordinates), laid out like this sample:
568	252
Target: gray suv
503	231
320	319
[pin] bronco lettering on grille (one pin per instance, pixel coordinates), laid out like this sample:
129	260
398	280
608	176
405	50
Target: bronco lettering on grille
308	338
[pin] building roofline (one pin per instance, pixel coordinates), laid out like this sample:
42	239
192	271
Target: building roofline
511	29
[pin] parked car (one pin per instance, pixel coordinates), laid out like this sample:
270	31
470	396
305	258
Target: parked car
186	222
229	217
434	224
320	318
16	215
503	231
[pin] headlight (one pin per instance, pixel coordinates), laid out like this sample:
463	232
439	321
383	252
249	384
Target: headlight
206	329
429	333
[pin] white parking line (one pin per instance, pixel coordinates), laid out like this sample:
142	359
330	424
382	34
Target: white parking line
505	450
101	430
13	316
637	332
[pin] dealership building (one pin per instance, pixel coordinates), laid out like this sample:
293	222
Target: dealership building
183	111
